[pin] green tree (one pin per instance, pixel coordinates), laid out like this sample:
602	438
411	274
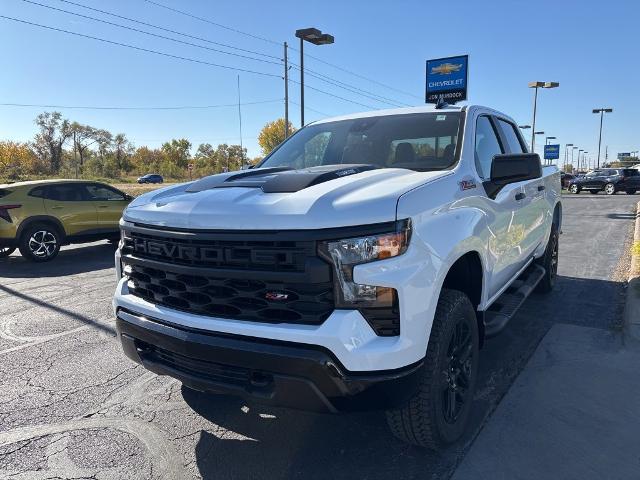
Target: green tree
122	149
230	157
83	137
206	160
50	140
272	135
177	152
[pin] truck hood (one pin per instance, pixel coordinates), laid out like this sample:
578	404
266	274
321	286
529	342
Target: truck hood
279	199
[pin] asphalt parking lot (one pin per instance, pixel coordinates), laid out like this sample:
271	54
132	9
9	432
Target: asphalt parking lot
72	406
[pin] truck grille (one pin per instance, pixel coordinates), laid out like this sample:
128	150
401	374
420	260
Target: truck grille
253	279
224	252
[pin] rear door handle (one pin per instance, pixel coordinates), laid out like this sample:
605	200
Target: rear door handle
520	196
57	207
540	188
103	206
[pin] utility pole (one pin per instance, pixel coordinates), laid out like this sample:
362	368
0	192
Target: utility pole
286	91
242	163
301	82
75	158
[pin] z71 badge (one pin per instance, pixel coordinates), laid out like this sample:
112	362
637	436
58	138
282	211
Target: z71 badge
467	184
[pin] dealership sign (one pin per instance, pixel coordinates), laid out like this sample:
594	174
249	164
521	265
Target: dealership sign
551	152
447	79
624	155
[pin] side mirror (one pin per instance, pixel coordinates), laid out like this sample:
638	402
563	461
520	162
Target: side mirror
128	197
511	168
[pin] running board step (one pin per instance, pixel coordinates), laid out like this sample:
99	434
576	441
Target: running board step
507	304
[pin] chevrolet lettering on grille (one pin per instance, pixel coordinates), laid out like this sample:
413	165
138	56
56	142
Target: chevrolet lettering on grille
229	255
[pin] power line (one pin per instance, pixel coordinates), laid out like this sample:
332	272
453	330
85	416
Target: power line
188	59
150	33
195	37
352	88
312	109
334	95
202	19
181	107
342	69
320	76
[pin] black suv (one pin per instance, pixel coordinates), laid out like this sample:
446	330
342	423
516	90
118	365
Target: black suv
151	178
609	180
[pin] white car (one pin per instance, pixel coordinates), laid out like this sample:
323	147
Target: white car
360	265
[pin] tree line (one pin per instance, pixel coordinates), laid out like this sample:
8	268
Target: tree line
63	148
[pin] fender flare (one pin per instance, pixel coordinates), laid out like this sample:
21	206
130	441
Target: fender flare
41	219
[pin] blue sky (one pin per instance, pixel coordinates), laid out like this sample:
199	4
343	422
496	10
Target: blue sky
591	48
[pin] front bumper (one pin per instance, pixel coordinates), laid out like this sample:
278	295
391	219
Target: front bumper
272	372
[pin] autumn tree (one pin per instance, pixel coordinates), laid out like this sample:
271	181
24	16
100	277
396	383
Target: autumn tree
272	135
49	141
147	160
17	159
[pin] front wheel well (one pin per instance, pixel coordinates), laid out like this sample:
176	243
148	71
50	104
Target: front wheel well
465	275
41	220
557	215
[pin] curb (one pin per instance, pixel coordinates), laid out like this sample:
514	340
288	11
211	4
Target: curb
632	305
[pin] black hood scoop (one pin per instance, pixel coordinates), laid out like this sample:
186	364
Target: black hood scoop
279	179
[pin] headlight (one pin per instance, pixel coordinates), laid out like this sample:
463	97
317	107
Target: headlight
347	253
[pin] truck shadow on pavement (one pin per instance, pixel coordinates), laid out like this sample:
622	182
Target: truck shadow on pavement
70	261
255	441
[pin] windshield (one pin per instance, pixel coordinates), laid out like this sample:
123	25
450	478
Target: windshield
420	141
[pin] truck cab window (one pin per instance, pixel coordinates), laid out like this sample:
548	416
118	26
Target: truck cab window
486	147
509	133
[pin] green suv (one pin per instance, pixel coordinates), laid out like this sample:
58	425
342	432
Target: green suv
38	217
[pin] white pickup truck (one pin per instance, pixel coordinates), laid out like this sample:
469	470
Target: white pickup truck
359	266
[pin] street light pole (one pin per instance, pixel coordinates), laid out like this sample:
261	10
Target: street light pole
533	125
566	155
601	111
579	152
537	85
315	36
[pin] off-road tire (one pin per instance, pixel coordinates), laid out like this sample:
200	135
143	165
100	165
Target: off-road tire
26	242
6	251
550	262
421	421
